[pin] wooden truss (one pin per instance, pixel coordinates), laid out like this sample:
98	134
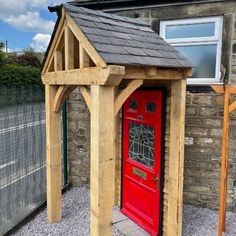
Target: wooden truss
73	62
227	91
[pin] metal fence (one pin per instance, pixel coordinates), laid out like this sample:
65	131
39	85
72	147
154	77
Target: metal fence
22	153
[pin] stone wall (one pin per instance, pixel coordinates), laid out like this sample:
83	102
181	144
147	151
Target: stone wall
78	140
204	113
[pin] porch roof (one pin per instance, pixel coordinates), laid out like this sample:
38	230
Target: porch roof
125	41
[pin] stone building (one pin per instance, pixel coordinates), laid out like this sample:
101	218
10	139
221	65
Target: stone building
205	32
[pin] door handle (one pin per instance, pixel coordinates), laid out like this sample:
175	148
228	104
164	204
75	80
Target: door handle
157	180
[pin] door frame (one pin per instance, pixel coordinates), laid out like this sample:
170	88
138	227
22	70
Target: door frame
163	132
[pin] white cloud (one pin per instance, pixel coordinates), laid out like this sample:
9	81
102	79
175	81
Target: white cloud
13	7
40	42
30	21
24	15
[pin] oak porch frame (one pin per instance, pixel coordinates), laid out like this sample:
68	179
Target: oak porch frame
229	107
98	83
104	106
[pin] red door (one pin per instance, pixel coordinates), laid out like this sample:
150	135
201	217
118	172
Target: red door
142	131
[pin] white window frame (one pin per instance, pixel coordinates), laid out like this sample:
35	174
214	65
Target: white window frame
216	40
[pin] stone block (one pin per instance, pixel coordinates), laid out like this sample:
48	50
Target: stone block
188	98
233	69
208	197
208	111
213	181
196	131
191	196
193	121
202	99
219	100
191	110
216	132
127	226
214	122
188	141
197	188
204	141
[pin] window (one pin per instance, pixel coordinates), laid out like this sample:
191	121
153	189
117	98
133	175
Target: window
199	40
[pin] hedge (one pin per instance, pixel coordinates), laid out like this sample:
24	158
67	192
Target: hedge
19	75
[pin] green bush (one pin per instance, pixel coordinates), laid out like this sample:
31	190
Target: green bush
19	75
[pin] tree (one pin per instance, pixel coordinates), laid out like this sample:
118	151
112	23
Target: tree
28	58
2	54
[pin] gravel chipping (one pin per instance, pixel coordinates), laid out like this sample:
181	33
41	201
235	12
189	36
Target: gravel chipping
75	219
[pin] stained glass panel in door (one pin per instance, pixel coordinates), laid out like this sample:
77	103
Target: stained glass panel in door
141	144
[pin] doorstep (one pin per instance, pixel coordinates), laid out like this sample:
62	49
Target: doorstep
125	225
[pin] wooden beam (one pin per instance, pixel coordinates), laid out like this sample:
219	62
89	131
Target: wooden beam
55	42
151	71
136	72
176	160
222	89
102	160
125	93
232	107
84	59
53	155
87	97
69	49
86	44
224	165
86	76
218	89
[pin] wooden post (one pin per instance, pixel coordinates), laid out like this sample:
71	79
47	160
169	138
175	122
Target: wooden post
224	165
53	155
102	160
176	160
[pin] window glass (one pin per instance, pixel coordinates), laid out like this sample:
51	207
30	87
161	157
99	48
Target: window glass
151	107
190	30
199	40
133	105
203	58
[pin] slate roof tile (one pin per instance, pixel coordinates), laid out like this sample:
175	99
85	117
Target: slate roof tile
125	41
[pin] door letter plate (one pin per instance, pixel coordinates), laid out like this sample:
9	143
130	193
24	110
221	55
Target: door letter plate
139	173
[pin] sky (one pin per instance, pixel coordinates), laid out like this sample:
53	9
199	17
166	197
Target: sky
27	23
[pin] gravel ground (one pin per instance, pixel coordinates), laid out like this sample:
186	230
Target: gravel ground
75	219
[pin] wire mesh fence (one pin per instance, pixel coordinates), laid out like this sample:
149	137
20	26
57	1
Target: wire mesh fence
22	153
